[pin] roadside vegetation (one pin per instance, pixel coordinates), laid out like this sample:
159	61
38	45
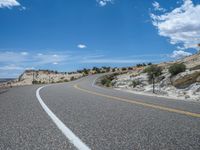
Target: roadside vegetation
143	64
153	71
107	79
38	82
177	68
135	83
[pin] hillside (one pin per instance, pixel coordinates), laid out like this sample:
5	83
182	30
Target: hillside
30	77
184	85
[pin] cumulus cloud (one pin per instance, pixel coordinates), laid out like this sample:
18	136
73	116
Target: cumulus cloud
181	25
9	3
81	46
104	2
157	6
178	54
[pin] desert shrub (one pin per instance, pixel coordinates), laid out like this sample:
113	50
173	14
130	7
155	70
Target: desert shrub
177	68
106	82
124	69
96	69
153	71
72	78
141	65
136	82
108	69
85	71
66	80
113	70
34	82
130	68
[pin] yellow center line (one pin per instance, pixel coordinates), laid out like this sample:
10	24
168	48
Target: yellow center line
140	103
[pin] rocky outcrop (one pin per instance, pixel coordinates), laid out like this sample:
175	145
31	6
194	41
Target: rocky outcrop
185	79
30	77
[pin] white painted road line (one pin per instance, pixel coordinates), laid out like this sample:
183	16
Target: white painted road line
65	130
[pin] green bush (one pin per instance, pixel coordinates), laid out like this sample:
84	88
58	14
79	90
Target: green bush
124	69
177	68
37	82
135	83
86	71
130	68
106	82
72	78
153	71
96	69
66	80
141	65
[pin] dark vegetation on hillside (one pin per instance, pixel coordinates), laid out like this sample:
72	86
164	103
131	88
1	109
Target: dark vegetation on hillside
177	68
153	71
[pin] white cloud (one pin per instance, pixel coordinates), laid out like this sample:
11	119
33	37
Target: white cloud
181	25
30	68
32	59
81	46
39	54
11	67
157	6
55	55
55	63
104	2
42	59
115	61
9	3
13	64
12	57
24	53
178	54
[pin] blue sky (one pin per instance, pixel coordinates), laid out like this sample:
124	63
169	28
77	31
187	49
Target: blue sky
67	35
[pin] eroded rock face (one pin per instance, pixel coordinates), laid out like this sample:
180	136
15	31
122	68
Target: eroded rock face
185	79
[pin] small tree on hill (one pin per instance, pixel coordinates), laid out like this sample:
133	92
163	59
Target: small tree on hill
177	68
124	69
153	71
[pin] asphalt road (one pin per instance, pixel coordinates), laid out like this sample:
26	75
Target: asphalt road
97	118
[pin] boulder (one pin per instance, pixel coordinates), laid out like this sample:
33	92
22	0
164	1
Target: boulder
185	79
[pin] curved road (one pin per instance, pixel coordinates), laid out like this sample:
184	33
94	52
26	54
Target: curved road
80	115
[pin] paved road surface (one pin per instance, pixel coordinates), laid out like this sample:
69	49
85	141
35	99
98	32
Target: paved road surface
97	118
